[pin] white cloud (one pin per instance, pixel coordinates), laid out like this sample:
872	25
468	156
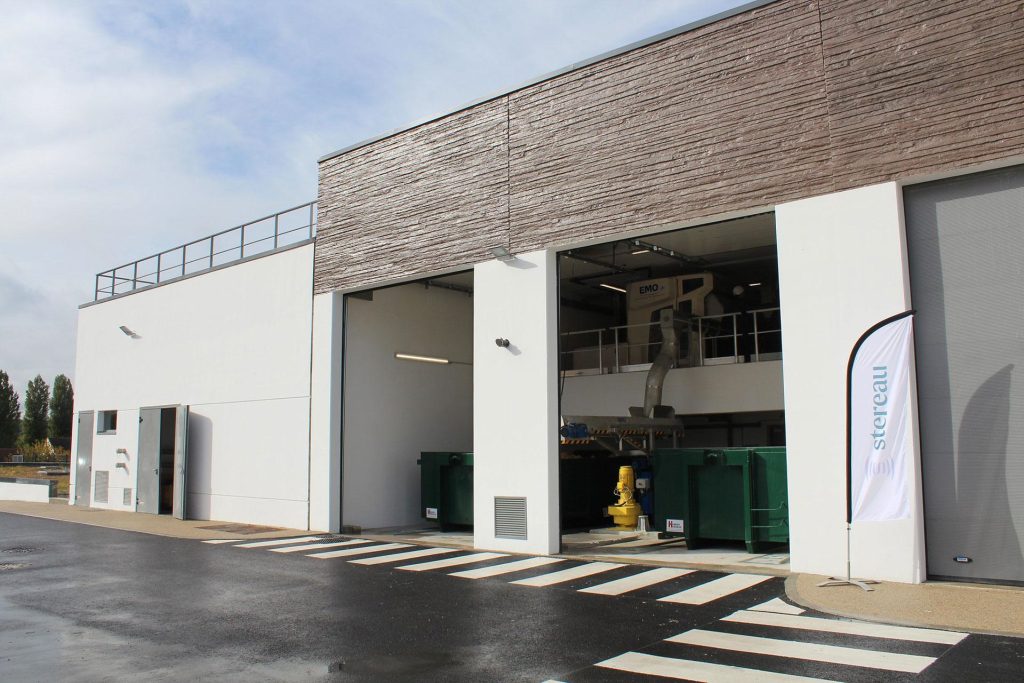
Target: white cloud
127	128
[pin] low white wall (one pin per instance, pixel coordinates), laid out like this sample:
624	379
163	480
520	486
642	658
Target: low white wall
516	398
32	493
394	409
234	345
842	268
736	388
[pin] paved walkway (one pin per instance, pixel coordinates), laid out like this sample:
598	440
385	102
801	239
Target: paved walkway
946	605
937	604
159	525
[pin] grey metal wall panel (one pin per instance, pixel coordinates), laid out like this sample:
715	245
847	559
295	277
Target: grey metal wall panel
966	246
83	458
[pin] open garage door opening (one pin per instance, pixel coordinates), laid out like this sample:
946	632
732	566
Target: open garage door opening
672	435
407	429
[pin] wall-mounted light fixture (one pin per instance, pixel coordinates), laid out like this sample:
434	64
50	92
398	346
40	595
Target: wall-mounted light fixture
429	359
613	288
128	332
502	253
502	343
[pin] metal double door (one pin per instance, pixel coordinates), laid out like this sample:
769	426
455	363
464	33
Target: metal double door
151	428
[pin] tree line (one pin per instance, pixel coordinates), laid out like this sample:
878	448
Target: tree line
47	415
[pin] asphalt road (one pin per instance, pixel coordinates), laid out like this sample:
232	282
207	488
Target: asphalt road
82	603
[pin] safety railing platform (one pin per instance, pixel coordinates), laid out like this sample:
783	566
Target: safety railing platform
264	235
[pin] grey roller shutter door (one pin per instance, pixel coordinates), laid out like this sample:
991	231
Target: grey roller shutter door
965	239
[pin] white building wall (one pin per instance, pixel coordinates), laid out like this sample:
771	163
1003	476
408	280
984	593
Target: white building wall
234	345
394	409
736	388
516	398
842	268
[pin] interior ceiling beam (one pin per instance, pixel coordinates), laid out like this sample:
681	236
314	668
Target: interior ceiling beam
670	253
596	262
446	285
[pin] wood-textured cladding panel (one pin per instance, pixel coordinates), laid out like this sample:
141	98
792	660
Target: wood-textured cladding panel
922	87
729	116
788	100
425	199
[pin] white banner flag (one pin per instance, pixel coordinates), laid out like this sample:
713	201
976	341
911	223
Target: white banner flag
880	423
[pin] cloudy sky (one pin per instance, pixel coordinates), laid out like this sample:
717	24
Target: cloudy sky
127	128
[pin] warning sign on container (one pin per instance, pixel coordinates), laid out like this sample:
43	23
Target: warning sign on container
431	513
674	526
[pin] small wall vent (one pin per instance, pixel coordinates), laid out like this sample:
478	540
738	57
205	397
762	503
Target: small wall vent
128	497
102	486
510	517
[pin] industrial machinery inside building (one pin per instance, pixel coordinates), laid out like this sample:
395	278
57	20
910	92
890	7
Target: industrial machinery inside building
686	323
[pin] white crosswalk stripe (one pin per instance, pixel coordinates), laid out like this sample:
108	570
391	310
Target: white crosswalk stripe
644	579
506	568
834	654
451	562
399	557
318	546
277	541
853	628
361	550
570	574
713	590
779	606
688	670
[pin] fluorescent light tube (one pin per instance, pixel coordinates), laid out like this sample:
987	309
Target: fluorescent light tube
613	288
422	359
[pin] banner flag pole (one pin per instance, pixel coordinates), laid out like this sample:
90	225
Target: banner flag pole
849	580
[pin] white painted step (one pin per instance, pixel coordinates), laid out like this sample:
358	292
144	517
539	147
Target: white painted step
451	562
637	581
399	557
318	546
216	541
361	550
277	541
716	589
570	574
833	654
689	670
850	628
506	568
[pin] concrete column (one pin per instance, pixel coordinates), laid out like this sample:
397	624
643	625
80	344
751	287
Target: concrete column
325	413
842	268
515	398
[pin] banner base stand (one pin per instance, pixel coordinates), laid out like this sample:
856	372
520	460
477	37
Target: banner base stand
849	580
833	581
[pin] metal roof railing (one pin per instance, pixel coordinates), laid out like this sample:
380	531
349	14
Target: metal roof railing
261	236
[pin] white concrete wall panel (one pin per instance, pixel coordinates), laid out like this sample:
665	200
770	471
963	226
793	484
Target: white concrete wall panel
234	344
737	388
842	268
394	409
516	398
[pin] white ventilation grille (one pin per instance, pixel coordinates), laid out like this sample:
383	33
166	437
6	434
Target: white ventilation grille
127	496
99	493
510	518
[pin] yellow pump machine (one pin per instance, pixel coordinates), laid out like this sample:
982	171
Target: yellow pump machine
626	511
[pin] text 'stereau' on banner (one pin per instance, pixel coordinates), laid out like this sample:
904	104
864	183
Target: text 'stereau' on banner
879	405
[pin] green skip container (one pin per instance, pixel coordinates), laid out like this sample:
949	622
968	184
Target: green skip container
446	488
730	494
